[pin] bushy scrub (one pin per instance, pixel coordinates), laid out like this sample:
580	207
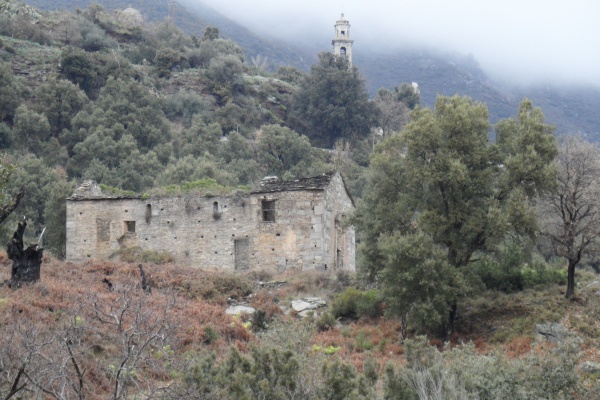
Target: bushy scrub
460	373
353	303
507	271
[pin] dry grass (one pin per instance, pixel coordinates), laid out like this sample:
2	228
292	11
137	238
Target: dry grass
491	321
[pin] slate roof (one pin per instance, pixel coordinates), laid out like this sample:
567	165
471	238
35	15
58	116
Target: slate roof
274	184
90	190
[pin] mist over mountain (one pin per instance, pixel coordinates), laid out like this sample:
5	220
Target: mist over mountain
571	107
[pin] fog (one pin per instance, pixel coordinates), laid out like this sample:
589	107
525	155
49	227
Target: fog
521	41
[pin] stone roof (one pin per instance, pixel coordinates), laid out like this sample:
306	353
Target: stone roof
274	184
90	190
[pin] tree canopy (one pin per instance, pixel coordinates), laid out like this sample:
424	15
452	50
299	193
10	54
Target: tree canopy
441	177
334	103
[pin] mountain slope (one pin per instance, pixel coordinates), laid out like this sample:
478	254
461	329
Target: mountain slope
571	109
194	20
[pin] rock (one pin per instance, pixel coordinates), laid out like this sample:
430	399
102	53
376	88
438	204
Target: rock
302	307
594	285
589	367
239	310
553	332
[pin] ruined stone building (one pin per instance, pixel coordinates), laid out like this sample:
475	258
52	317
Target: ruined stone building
281	225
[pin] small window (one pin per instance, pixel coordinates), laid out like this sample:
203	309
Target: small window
343	33
130	226
268	210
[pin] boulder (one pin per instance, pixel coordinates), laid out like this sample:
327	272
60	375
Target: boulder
553	332
239	310
589	367
308	303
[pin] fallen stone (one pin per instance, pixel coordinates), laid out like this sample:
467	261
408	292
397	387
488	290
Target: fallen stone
553	332
589	367
308	303
319	302
240	310
301	305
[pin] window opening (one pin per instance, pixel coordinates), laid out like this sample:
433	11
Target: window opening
130	226
268	210
343	51
148	213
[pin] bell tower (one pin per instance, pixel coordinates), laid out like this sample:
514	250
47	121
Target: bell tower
342	44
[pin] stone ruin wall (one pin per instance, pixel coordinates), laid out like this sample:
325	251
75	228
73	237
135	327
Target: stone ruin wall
217	232
340	236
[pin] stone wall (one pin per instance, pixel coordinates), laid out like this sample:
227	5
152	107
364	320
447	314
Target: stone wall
220	232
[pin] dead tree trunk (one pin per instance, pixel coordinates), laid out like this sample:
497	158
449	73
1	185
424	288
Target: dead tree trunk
26	262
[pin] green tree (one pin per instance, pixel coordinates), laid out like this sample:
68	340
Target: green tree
60	100
31	129
408	95
8	203
189	168
225	78
393	113
34	178
210	33
11	92
80	68
283	152
165	60
333	103
413	289
55	217
442	177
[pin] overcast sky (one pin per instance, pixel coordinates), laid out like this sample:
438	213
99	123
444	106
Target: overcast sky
524	40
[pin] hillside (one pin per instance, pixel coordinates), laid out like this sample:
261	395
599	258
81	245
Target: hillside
570	108
89	331
147	110
194	21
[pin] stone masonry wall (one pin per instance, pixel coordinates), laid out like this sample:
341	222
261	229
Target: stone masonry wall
340	238
216	232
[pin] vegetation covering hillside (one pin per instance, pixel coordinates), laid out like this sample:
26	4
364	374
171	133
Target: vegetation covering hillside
570	108
90	331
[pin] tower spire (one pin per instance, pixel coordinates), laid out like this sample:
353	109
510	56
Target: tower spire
342	44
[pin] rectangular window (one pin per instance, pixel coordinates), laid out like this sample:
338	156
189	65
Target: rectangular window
130	226
268	210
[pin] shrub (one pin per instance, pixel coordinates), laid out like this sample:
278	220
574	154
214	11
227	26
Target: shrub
508	272
325	322
460	373
259	320
353	303
210	334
